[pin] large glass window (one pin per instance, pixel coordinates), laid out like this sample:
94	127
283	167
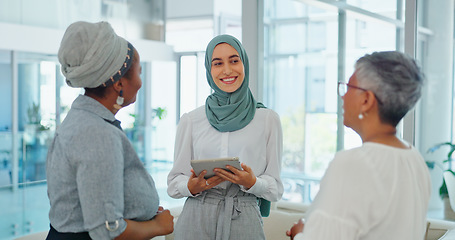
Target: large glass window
163	95
42	100
193	88
35	99
37	102
386	8
29	125
308	47
6	139
434	114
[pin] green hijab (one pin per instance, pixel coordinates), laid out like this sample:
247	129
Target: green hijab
229	112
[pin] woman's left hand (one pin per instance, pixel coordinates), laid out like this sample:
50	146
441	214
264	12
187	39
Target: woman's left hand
243	177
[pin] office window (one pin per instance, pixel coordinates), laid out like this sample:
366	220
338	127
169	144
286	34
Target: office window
66	96
194	88
306	52
434	115
25	138
385	8
37	101
43	101
5	119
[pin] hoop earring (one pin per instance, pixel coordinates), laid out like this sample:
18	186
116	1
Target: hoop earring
360	116
120	100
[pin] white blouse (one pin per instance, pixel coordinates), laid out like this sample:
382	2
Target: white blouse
372	192
259	145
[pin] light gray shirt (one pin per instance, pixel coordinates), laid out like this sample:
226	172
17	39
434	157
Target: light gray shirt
94	175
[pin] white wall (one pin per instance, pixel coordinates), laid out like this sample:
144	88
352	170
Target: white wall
49	13
30	39
47	41
153	50
189	9
230	7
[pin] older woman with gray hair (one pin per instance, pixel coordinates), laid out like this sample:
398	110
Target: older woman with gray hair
97	186
381	189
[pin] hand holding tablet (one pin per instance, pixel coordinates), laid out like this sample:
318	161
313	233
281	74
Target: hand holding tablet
210	164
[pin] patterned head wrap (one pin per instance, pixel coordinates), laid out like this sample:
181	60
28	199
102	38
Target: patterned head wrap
92	54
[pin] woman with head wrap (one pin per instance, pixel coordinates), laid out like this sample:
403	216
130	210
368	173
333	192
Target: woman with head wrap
97	186
230	124
381	189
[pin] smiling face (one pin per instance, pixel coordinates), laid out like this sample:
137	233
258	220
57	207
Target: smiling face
227	69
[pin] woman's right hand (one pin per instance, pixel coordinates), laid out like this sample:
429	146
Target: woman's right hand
165	222
296	229
197	184
161	224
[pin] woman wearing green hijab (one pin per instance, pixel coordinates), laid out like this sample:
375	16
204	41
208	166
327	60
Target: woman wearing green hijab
230	124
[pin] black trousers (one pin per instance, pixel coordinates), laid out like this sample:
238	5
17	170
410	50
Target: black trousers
55	235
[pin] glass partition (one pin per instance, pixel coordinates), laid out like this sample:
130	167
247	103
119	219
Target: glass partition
6	139
29	127
193	88
36	113
387	8
42	101
308	47
300	63
163	97
435	112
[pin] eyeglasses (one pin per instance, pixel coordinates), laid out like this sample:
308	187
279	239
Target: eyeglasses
343	89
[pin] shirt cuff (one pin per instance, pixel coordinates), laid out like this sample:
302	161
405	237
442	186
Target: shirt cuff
298	236
259	187
183	189
101	232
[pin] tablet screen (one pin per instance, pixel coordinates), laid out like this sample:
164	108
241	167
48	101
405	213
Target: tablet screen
210	164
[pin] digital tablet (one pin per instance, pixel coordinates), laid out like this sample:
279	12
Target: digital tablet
210	164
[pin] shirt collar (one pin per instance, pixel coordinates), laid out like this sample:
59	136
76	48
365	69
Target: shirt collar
89	104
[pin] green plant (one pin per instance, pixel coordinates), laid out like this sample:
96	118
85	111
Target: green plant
34	114
156	112
446	164
159	112
34	117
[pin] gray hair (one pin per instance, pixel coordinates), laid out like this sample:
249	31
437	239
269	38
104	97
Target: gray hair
396	81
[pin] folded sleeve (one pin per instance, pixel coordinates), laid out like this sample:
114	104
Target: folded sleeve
99	167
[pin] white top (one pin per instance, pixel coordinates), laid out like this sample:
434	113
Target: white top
258	145
373	192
